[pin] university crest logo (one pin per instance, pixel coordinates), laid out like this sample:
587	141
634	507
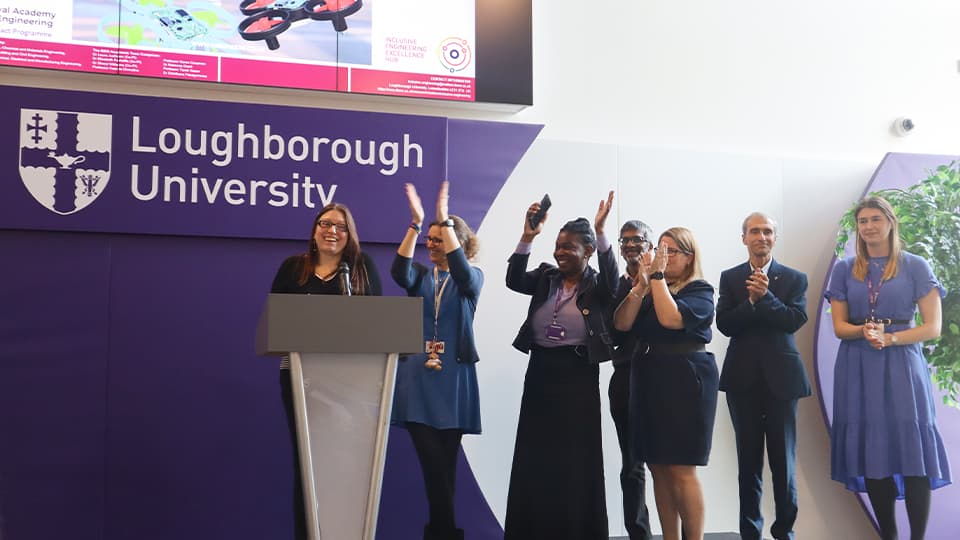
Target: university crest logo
65	157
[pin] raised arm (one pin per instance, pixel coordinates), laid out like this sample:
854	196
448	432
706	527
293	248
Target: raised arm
518	278
786	314
450	241
402	270
626	313
668	315
767	310
609	274
409	242
469	279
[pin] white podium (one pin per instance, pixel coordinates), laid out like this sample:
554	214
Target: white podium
343	359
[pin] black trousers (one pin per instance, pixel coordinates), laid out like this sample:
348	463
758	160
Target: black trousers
632	475
437	450
761	420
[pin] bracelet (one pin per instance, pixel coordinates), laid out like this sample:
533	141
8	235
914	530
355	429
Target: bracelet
415	227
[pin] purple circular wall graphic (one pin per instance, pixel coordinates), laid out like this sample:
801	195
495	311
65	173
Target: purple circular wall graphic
895	171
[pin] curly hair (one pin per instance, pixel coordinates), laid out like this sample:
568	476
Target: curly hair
465	235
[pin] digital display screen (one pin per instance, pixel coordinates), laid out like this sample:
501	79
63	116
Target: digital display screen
454	50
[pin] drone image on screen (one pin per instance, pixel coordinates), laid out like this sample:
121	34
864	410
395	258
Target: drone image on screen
266	19
199	25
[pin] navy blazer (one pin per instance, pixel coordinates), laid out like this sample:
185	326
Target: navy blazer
762	345
593	300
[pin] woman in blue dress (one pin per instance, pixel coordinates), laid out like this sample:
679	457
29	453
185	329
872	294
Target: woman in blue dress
674	381
884	435
436	396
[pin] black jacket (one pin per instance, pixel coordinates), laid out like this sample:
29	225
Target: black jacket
594	299
762	345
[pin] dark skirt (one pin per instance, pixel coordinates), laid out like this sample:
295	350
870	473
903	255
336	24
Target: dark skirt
556	483
673	404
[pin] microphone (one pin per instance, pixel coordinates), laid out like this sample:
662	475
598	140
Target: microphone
345	287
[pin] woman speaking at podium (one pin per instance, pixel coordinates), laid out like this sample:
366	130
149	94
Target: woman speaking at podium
333	264
436	397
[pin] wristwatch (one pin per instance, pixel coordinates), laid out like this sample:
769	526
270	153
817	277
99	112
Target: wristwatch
656	275
893	339
446	223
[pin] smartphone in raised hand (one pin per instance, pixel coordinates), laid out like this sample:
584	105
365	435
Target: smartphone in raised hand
537	217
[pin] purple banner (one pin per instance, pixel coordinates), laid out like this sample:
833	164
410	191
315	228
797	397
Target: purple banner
79	161
135	405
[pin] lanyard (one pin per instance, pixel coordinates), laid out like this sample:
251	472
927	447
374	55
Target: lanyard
438	289
558	303
873	295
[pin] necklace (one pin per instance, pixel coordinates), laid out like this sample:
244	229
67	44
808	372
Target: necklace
327	277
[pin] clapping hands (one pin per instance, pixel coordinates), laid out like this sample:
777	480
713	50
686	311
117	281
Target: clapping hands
416	207
757	285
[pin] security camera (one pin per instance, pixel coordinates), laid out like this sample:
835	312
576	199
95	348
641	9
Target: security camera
903	126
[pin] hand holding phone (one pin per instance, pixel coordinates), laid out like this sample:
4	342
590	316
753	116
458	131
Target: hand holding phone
537	217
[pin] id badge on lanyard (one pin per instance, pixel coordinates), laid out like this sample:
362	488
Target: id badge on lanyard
556	331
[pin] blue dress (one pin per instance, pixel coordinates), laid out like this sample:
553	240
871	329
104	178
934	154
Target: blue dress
883	412
673	395
448	398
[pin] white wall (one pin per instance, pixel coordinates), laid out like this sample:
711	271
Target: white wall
812	78
710	193
697	112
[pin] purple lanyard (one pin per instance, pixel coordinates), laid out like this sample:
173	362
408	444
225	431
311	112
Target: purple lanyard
558	304
873	296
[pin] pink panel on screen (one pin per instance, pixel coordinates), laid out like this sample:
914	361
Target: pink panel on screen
236	70
389	83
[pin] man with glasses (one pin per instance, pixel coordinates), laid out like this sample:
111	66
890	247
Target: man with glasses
762	303
635	248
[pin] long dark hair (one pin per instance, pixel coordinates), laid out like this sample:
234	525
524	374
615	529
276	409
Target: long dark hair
359	280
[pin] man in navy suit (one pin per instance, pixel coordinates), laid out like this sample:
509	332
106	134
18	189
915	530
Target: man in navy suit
762	303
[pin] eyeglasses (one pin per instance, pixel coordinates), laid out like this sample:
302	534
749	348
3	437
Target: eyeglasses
434	240
635	240
324	224
671	252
